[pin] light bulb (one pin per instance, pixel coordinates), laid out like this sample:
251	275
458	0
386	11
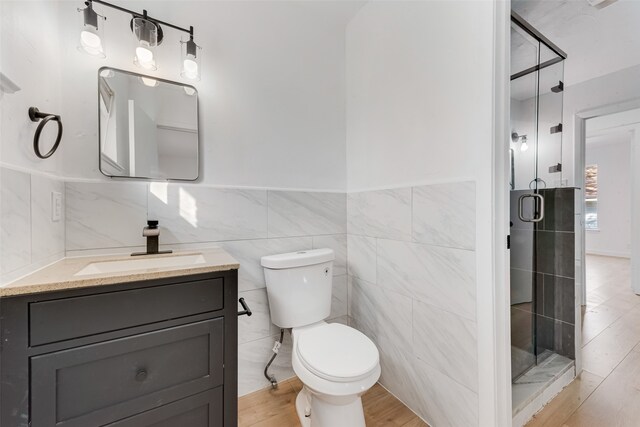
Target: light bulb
149	81
91	43
190	68
524	146
145	57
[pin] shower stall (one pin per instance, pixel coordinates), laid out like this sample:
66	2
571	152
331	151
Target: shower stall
542	216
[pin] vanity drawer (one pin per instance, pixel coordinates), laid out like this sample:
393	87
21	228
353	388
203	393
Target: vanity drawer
102	383
68	318
201	410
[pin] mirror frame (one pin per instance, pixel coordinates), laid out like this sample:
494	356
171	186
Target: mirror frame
198	148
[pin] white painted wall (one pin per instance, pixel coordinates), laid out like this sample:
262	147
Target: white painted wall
419	92
621	116
29	56
619	87
612	154
272	94
419	110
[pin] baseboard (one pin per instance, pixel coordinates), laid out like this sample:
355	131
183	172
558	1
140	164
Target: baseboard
609	253
260	390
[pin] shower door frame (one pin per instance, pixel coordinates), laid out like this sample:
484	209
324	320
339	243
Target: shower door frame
561	56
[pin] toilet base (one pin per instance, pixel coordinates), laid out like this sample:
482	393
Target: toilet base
302	407
322	413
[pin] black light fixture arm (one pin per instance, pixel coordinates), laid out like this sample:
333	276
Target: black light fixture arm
141	15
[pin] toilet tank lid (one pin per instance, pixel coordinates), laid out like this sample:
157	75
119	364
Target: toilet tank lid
298	259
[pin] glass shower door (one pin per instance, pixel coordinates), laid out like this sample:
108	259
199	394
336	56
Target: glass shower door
536	152
524	112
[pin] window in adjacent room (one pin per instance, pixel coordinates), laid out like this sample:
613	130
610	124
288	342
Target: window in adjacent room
591	197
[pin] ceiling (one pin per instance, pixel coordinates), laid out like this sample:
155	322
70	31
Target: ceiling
598	41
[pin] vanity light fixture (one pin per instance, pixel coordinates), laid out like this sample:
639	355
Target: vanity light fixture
147	33
190	59
91	31
146	40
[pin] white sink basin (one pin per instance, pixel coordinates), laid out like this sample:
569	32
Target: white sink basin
135	263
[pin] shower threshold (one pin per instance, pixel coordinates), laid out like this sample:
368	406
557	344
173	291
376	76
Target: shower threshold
533	383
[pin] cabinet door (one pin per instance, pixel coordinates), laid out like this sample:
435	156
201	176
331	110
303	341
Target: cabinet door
100	383
201	410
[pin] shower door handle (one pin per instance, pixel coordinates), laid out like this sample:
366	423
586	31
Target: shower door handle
538	211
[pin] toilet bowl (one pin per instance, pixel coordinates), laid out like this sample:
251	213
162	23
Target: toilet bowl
335	363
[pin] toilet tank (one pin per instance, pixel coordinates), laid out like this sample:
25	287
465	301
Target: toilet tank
299	286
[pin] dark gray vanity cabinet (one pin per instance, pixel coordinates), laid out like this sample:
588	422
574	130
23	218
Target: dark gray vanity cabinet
155	353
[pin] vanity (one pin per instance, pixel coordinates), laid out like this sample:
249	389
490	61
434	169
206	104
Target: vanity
122	341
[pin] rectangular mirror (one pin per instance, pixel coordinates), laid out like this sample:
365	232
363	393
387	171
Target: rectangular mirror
148	127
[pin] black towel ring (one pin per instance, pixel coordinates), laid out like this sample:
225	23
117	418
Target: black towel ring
35	115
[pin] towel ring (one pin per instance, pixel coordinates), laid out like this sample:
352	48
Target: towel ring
35	115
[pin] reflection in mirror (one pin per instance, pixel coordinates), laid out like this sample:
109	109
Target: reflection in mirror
148	127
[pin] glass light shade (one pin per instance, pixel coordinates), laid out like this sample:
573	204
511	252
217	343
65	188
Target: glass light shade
191	60
148	81
91	40
146	37
524	146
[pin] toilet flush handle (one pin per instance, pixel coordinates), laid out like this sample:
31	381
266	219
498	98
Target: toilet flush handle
246	308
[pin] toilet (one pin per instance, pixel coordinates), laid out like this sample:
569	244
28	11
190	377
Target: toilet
337	364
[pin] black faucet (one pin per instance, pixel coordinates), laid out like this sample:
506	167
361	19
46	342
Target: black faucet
152	233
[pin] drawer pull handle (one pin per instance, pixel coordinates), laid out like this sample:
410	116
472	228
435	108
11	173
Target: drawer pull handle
246	308
141	375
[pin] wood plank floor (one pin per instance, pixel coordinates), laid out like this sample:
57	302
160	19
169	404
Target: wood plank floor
608	391
276	408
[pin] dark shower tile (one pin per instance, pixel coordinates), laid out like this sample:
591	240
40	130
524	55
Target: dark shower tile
522	329
567	344
559	209
522	342
555	254
545	333
556	336
559	298
539	290
522	283
522	249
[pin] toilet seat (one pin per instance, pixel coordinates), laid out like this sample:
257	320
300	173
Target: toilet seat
337	353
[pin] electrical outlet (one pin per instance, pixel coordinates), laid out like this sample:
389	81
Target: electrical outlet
56	206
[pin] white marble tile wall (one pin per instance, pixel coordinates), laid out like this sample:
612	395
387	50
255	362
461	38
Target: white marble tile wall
192	213
29	238
295	213
248	224
105	215
445	215
412	289
384	213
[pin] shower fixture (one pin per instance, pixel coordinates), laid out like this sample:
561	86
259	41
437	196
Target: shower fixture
524	146
147	33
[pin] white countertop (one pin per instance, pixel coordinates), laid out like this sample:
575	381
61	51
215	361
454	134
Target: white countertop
63	274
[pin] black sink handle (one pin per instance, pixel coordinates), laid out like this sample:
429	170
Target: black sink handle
246	310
